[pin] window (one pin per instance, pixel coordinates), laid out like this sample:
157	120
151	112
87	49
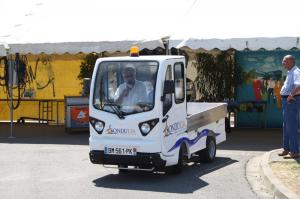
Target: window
167	103
179	83
125	87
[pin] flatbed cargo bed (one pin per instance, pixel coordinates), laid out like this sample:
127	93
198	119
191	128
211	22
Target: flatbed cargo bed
202	113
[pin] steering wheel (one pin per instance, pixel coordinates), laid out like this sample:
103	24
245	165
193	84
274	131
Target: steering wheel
145	105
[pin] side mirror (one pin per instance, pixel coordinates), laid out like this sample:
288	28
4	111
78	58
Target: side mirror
169	88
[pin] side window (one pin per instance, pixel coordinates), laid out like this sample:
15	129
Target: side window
167	103
179	83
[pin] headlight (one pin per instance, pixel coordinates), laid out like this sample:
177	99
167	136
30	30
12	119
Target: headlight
99	126
145	128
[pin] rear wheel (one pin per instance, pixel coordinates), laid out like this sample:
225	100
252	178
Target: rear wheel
209	153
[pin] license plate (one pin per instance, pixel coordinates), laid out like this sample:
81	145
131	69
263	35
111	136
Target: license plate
120	150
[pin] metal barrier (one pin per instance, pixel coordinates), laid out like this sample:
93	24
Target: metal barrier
48	111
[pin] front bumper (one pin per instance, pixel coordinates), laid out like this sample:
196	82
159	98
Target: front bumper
142	160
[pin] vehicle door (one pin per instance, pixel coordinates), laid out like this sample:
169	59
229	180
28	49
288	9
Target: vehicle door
174	108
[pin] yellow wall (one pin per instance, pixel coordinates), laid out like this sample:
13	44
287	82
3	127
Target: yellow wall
60	71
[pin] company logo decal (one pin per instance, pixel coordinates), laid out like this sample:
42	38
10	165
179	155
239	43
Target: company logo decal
122	131
174	128
200	135
81	115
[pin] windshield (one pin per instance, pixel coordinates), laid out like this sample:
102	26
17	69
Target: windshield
125	87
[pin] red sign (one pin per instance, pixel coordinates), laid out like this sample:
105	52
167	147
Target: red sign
80	116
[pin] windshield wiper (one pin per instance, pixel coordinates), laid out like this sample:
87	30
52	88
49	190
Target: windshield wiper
113	105
115	108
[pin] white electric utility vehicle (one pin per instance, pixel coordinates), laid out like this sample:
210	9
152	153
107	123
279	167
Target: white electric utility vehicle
140	119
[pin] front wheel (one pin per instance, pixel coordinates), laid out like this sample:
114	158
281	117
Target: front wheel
209	153
177	169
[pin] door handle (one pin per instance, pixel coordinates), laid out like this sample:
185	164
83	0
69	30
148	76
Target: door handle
165	118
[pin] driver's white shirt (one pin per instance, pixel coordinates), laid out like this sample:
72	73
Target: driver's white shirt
135	95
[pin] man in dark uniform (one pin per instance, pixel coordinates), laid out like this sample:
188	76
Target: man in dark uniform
290	95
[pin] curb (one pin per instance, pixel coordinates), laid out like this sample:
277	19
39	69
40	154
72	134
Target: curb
279	190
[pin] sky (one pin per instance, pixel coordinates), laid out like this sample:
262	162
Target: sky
40	21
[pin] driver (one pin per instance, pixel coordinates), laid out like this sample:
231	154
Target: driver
132	91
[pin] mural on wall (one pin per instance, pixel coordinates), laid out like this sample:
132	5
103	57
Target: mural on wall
266	80
43	74
263	77
47	77
27	79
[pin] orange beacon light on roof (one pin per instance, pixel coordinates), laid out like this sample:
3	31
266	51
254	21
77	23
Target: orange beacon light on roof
134	51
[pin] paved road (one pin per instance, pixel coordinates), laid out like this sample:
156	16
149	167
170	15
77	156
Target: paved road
58	167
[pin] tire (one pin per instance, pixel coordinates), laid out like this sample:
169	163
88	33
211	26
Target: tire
209	153
177	169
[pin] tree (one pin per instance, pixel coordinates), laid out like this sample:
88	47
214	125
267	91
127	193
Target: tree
217	76
87	65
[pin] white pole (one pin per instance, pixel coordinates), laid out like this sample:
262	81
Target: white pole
165	41
10	69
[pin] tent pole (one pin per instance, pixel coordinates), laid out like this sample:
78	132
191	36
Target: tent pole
165	41
10	69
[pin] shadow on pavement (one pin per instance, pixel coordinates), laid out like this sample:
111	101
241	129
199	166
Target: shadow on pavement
253	140
238	139
186	182
41	134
